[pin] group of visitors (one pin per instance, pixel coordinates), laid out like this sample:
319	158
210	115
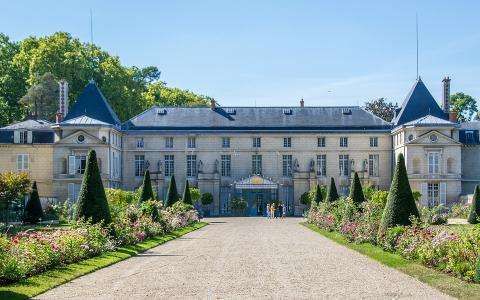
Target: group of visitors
276	211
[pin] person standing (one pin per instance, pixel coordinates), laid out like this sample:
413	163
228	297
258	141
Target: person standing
284	211
268	211
272	211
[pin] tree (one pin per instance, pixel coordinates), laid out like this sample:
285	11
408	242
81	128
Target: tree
464	105
475	207
92	203
187	198
356	191
332	194
146	192
206	199
381	108
172	194
400	205
305	199
159	94
33	209
195	194
318	194
41	99
13	186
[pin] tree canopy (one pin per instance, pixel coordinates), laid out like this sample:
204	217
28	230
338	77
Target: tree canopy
382	108
465	106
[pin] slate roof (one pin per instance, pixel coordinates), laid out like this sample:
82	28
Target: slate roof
418	103
92	103
30	124
84	120
430	120
257	119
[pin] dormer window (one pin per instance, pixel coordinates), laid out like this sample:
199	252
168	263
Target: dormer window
161	111
23	137
287	111
231	111
80	138
469	137
140	143
346	111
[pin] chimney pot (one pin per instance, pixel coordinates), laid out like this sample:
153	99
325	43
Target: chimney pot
58	117
213	104
302	103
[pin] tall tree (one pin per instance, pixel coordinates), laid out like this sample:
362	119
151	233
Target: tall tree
332	194
33	209
474	215
187	198
172	194
465	106
318	194
146	192
41	99
356	190
382	108
159	94
92	202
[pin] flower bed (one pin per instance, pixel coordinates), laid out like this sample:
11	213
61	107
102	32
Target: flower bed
451	249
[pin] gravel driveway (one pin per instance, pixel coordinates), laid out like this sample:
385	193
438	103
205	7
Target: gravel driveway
247	258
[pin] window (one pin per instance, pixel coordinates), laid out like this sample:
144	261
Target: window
139	165
322	165
257	142
22	162
191	165
343	141
373	165
226	165
433	194
287	142
73	191
321	141
23	137
374	141
433	162
433	138
81	163
169	165
256	164
469	137
140	143
225	142
343	165
287	165
80	138
191	142
169	142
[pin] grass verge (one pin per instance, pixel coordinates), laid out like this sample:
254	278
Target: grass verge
43	282
443	282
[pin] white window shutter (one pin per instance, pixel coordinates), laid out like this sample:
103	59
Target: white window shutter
29	137
19	162
443	193
16	137
425	194
71	165
71	192
26	157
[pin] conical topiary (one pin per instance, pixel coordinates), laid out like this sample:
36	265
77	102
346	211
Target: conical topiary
172	194
475	207
400	206
187	198
147	191
318	195
33	208
356	191
332	194
92	202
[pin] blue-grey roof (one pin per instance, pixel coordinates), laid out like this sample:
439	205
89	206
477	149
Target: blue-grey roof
93	104
30	124
430	120
257	119
84	120
419	103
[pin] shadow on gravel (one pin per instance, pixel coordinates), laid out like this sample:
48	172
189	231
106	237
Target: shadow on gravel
159	255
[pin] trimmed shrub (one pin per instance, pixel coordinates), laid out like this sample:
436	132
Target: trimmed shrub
475	207
206	199
400	205
356	191
187	198
305	199
146	192
92	202
332	194
172	194
33	208
318	195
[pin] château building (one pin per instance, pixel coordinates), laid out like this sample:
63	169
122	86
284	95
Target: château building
258	153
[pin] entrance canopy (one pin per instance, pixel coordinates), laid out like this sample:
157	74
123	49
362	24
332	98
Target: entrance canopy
255	182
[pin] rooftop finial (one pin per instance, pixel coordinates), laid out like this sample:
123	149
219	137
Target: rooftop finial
416	23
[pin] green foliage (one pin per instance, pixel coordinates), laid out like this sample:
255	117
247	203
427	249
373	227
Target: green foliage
41	99
465	106
195	194
356	191
146	192
159	94
238	205
305	199
33	208
172	194
151	208
206	199
436	215
459	211
381	108
12	187
332	194
379	197
400	205
92	202
417	196
477	271
318	197
187	198
473	217
121	197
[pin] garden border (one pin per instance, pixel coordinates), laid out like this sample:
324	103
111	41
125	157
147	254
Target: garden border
38	284
445	283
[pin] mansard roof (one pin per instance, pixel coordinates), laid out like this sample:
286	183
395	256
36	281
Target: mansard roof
430	120
84	120
92	103
419	103
257	119
30	124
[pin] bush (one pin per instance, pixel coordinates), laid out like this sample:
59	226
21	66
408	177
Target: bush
379	197
475	207
146	191
238	205
356	191
332	194
92	202
122	198
33	209
305	199
206	199
172	194
151	208
459	211
187	198
317	196
195	194
436	215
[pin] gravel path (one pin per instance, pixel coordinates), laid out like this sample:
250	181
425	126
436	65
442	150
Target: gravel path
247	258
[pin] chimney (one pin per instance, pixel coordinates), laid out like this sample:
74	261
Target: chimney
63	97
302	103
453	116
58	117
446	95
213	104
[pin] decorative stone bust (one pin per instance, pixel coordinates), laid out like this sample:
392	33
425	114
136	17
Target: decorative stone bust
216	166
312	165
296	166
200	166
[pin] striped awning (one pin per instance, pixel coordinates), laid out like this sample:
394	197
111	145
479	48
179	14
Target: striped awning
255	182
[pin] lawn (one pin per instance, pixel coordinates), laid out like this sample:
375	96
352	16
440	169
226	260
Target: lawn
41	283
443	282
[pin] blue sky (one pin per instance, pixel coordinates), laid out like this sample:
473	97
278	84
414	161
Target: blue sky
275	52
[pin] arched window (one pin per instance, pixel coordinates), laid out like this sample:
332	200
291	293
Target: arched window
450	165
416	165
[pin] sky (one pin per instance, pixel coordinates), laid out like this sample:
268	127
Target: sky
275	52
